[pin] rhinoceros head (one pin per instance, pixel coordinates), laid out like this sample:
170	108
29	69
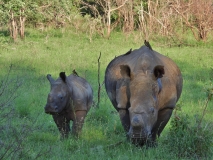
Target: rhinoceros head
144	88
58	98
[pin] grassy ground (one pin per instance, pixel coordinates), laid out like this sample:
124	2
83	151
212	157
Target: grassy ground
103	136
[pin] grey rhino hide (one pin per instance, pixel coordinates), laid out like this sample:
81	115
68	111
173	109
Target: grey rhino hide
144	87
70	99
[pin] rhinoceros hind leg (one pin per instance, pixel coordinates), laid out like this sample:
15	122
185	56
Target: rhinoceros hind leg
124	117
78	122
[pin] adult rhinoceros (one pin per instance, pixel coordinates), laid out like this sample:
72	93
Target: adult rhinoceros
70	98
144	87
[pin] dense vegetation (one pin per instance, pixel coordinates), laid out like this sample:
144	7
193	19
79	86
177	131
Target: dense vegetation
151	18
55	36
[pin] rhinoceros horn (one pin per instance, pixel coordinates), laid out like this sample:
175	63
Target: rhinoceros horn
51	80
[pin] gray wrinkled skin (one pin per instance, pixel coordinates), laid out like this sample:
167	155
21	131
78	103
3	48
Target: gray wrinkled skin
69	100
144	87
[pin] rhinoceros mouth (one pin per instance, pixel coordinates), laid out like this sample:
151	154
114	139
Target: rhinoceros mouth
139	139
141	142
52	113
51	109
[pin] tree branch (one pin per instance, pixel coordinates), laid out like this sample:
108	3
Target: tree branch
118	6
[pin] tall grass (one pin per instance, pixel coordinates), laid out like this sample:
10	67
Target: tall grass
103	136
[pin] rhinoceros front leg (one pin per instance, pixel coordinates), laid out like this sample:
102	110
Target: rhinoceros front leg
163	118
124	117
63	125
122	99
78	122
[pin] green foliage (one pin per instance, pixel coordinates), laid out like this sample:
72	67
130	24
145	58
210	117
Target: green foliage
53	13
28	8
90	17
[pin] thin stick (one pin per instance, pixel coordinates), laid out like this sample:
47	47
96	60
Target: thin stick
205	108
99	84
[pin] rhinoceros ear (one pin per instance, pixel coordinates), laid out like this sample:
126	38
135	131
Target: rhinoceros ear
63	76
159	71
51	80
125	71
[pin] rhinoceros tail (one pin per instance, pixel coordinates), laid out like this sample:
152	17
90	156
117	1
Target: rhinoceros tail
63	76
147	44
75	73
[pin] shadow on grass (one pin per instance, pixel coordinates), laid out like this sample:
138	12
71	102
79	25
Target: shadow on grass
4	33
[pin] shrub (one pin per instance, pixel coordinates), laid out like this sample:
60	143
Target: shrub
13	136
191	137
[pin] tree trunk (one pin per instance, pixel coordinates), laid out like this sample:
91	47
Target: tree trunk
22	21
13	27
108	23
108	19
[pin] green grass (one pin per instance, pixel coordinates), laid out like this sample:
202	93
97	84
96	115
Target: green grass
55	51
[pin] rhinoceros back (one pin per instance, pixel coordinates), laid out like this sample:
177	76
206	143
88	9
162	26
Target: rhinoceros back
81	92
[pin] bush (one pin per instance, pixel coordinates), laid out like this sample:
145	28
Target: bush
13	136
191	137
188	140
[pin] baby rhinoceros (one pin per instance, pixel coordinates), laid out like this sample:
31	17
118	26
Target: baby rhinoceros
70	98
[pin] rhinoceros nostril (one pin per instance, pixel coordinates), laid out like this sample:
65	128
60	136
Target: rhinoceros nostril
56	107
135	120
149	134
148	130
